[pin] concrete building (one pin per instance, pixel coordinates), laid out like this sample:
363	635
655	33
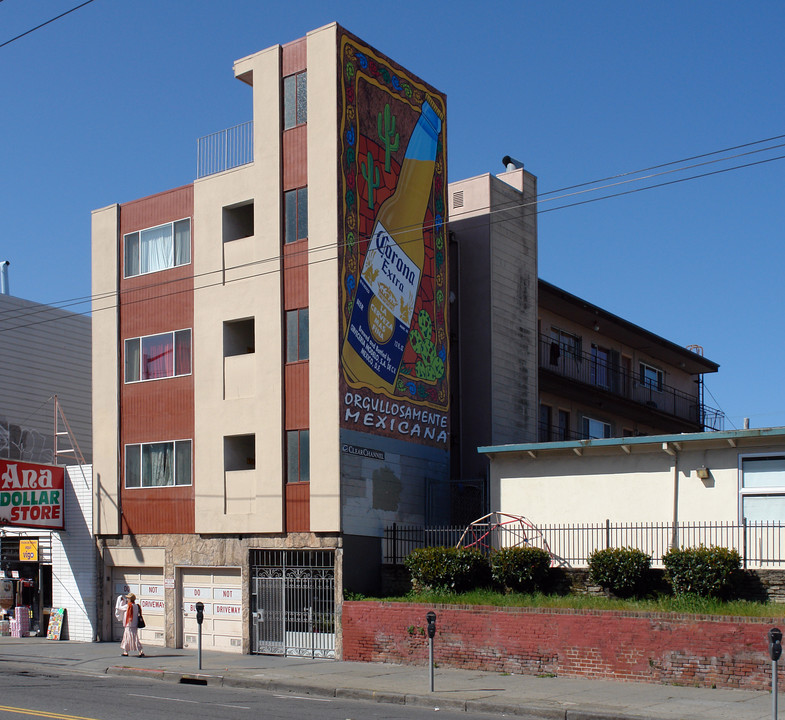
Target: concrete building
720	478
271	384
273	377
46	419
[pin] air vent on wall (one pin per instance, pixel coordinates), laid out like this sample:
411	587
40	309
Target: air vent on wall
457	199
235	642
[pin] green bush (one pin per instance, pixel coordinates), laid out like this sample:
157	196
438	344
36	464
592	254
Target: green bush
623	571
702	571
523	569
443	568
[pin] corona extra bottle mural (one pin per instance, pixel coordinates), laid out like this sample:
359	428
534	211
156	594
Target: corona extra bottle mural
394	344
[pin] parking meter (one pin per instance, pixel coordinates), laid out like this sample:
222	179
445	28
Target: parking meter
775	643
200	612
431	618
199	620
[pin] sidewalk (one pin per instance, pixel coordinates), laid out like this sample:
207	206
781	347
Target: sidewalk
547	698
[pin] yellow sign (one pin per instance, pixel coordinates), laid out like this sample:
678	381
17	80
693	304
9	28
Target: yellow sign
28	551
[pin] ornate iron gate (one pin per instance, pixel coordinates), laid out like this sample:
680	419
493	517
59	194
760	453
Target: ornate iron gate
293	603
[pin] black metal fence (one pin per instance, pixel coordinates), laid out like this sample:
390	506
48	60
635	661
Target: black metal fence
760	544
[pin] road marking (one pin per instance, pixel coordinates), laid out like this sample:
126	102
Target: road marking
300	697
41	713
193	702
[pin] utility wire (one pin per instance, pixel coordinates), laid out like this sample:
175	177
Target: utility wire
43	24
333	246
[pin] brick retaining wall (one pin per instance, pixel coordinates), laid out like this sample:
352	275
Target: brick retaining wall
663	648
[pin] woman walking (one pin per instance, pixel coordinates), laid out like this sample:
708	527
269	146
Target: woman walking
127	612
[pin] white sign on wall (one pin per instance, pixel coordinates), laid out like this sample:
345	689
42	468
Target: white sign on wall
189	607
227	594
230	610
200	593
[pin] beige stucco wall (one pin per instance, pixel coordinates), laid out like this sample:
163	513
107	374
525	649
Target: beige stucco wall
609	483
106	517
250	500
323	299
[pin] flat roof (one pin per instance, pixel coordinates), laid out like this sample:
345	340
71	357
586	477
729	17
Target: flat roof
726	436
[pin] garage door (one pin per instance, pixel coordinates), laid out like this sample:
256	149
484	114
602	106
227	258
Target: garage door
148	586
220	590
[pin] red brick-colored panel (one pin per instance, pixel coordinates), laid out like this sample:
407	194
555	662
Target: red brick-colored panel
158	510
295	269
296	394
293	57
295	157
298	507
611	645
157	209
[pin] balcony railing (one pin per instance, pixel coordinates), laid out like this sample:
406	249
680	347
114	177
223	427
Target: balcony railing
602	374
224	150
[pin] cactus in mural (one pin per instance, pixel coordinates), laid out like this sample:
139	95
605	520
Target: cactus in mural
388	136
371	175
429	365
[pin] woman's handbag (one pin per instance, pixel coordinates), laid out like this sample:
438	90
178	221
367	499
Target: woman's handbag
140	623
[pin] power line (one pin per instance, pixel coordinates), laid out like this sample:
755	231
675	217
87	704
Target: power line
398	231
43	24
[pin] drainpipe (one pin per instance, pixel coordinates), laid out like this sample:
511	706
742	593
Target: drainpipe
5	288
675	532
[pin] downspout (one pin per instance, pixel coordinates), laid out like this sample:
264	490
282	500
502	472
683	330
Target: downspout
675	526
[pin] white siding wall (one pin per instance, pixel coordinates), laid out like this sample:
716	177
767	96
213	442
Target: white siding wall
74	559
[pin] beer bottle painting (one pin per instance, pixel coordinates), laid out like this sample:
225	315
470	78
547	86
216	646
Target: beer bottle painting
394	297
384	301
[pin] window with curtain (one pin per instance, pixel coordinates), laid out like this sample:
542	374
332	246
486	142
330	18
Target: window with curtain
762	488
157	248
158	464
158	356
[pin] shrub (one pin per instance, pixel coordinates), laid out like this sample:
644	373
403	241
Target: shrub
623	571
703	571
524	569
451	569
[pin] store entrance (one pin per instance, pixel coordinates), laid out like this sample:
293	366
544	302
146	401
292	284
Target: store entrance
26	580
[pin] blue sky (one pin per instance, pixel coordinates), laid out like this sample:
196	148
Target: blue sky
101	107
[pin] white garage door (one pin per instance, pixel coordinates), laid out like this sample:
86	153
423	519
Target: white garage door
148	586
220	589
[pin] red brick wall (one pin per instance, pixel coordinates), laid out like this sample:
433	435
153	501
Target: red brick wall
644	647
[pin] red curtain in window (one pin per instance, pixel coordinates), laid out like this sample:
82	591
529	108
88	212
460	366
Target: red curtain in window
157	357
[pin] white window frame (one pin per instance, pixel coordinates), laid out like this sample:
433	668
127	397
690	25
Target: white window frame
173	259
587	419
174	444
645	382
772	491
570	343
173	333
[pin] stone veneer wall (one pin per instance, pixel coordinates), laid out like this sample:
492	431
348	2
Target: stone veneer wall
662	648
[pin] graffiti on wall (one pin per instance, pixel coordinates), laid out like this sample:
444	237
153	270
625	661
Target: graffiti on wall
393	255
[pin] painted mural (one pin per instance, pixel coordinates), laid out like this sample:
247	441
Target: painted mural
393	255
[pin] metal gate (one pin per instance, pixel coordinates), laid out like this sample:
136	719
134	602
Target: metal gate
293	603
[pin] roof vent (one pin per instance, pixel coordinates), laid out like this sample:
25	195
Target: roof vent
511	163
5	288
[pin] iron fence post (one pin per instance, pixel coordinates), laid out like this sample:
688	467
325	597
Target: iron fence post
607	533
744	540
395	543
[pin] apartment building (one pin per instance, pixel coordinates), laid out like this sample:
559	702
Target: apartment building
271	368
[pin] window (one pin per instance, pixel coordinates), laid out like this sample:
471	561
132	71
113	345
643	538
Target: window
595	428
159	464
158	356
545	423
296	335
158	248
651	377
298	456
295	100
563	430
240	452
566	344
239	337
600	366
295	214
762	488
237	221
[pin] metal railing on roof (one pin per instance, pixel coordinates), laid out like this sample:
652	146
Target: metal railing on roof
224	150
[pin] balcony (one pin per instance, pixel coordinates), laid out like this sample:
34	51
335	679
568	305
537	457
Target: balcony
611	380
224	150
